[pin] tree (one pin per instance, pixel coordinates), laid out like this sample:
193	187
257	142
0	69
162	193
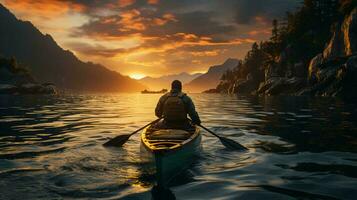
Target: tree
275	31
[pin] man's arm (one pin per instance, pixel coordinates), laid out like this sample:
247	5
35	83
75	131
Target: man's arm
159	107
192	111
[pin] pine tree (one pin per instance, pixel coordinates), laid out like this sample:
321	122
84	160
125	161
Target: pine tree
275	31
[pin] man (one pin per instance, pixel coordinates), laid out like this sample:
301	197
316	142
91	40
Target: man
174	107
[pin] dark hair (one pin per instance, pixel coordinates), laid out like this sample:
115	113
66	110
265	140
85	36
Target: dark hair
176	84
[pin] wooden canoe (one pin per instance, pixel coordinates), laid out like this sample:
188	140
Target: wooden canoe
171	150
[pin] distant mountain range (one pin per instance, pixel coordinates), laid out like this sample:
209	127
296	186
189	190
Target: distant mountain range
164	82
211	78
48	62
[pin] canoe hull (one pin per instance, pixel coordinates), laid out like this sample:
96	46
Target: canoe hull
170	163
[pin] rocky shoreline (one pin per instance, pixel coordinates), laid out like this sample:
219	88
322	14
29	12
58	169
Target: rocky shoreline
28	88
15	79
332	72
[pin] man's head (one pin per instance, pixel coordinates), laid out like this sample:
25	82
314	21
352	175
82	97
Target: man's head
176	85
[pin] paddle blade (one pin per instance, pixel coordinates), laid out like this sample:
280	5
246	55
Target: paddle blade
231	144
117	141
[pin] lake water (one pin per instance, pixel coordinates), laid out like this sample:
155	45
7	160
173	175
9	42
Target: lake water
299	148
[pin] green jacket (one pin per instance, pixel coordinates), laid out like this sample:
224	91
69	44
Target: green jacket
190	107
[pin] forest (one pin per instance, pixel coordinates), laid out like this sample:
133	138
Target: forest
283	64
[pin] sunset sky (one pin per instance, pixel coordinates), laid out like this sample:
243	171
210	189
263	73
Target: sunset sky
154	37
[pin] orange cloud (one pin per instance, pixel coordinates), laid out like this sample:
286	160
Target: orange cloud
206	53
261	20
153	1
124	3
259	32
43	8
169	17
131	20
164	19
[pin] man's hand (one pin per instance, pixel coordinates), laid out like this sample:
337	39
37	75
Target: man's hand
197	122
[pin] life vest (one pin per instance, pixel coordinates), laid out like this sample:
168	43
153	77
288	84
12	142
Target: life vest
174	108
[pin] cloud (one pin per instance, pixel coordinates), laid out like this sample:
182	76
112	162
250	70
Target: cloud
153	1
154	36
124	3
42	8
247	11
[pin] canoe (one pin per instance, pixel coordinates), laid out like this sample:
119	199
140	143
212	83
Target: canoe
171	150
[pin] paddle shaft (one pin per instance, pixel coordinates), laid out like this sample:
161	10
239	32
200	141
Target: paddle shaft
226	141
209	131
153	122
121	139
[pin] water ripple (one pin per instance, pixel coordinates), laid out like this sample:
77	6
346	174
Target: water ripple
299	148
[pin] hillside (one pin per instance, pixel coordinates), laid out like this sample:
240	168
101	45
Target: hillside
313	51
211	78
165	81
48	62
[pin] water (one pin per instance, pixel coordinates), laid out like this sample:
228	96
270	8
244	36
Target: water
299	148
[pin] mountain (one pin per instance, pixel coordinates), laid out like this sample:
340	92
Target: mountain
165	81
48	62
211	78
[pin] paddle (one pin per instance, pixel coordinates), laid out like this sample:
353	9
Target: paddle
231	144
121	139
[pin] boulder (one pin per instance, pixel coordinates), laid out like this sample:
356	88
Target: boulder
349	29
211	91
223	86
264	86
32	88
344	39
271	71
299	70
281	85
336	46
8	89
244	86
48	89
351	64
314	67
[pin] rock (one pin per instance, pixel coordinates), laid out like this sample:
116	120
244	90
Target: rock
15	79
211	91
299	70
8	89
271	71
351	64
314	66
335	47
49	89
349	29
245	86
281	85
348	72
264	86
31	88
344	40
223	86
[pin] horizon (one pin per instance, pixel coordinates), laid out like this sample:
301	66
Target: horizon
153	38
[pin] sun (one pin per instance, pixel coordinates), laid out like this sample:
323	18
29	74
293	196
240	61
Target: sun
137	76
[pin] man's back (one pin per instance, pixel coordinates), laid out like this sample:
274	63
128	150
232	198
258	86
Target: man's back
174	107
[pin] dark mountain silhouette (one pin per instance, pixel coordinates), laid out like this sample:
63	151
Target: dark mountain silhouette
165	81
211	78
48	62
